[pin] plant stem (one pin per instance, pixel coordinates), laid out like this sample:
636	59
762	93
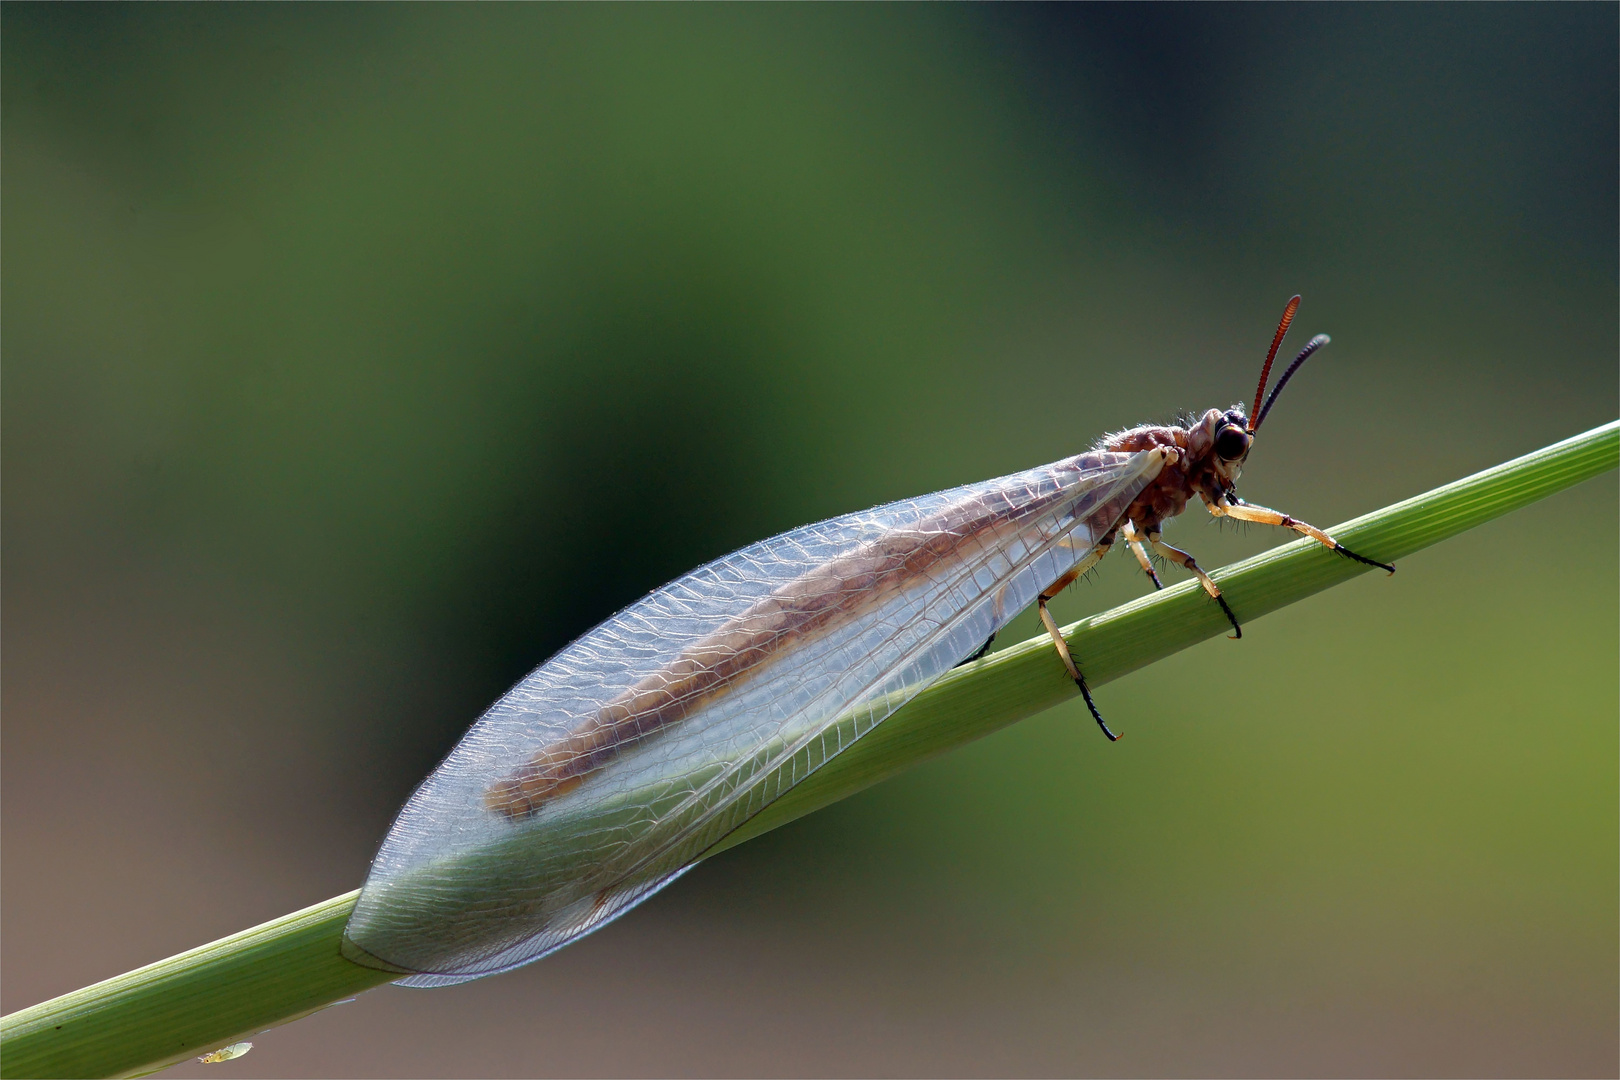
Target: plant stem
287	968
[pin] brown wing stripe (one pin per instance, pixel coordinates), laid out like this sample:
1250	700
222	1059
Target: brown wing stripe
806	605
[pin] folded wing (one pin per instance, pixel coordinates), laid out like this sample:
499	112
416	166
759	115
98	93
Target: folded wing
616	764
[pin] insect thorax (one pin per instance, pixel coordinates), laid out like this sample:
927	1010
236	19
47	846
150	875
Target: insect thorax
1197	472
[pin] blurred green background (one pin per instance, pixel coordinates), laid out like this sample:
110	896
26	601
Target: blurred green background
358	357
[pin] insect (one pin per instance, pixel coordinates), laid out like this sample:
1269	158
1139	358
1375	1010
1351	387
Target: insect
225	1053
616	765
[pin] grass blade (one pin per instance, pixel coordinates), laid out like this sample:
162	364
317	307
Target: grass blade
225	991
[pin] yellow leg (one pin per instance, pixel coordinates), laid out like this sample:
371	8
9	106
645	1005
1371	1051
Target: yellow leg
1181	558
1057	639
1260	515
1134	539
1057	636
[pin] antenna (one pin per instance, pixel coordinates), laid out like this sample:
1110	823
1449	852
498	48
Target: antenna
1276	343
1304	354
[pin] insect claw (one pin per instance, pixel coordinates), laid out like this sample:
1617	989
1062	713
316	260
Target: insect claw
1085	692
1347	553
1231	618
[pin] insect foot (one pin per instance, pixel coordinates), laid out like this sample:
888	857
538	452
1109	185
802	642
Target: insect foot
1347	553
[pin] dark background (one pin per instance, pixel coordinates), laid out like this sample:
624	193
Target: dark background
357	357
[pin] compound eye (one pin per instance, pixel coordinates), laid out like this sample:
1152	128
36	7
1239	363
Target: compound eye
1231	444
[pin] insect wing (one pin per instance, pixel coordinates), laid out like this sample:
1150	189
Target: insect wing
226	1053
615	765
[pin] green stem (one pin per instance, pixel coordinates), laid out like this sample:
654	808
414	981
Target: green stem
290	967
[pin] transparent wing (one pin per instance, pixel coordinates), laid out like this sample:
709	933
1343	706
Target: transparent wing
617	763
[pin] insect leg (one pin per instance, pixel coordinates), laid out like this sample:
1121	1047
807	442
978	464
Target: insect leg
1134	538
983	649
1057	636
1243	511
1176	555
1000	607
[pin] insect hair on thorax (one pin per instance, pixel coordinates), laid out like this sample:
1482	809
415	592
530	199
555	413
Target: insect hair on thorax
1183	422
